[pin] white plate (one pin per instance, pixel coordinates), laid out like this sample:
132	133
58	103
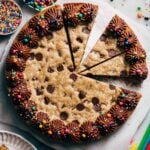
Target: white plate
14	141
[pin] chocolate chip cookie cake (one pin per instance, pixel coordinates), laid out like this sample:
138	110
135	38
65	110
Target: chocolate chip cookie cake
44	83
117	53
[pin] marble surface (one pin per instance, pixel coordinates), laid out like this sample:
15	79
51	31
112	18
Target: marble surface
128	9
131	8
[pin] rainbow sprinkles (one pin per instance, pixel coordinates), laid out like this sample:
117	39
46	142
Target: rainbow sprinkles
10	17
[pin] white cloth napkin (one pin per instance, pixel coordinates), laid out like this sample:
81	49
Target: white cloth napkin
120	139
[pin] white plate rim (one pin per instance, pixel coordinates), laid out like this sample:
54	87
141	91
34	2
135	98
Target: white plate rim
18	136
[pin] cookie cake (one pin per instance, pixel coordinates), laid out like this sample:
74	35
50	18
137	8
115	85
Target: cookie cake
44	76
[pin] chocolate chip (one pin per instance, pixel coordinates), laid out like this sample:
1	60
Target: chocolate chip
71	68
82	94
75	49
79	39
80	107
64	115
95	100
97	107
34	78
63	106
73	77
42	45
60	67
48	49
50	70
50	36
86	30
112	52
38	56
76	121
46	79
59	53
39	91
102	55
46	100
42	87
123	73
103	37
31	56
112	87
50	88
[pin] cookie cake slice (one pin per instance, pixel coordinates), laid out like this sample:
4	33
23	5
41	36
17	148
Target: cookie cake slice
118	38
79	19
131	64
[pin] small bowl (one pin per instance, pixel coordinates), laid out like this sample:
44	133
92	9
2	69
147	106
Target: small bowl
3	18
39	7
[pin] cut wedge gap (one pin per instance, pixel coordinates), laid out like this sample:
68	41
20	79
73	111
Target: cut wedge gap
79	18
118	38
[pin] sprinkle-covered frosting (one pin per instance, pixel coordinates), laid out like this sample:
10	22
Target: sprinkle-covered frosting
89	132
128	100
139	71
73	132
119	114
20	50
54	18
27	110
15	63
28	37
79	13
135	55
57	130
40	24
14	77
20	93
106	124
127	39
116	26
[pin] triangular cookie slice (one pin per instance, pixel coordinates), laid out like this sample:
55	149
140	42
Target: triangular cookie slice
130	64
117	38
79	19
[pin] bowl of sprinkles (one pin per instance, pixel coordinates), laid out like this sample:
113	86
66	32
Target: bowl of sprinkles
10	17
39	5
